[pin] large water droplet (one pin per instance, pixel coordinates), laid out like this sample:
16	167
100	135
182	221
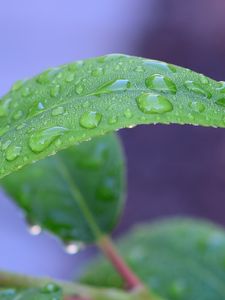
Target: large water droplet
160	66
90	119
151	103
40	140
35	229
160	83
74	247
12	152
113	86
197	106
58	111
197	88
221	101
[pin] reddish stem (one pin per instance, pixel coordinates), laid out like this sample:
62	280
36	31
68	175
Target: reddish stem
131	280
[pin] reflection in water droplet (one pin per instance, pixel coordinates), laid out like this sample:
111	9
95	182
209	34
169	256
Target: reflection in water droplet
90	119
12	152
197	88
160	83
160	66
151	103
221	101
197	106
41	139
113	86
58	111
35	229
73	247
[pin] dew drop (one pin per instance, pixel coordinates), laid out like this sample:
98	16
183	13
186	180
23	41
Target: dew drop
79	89
41	139
113	86
26	92
34	229
221	101
58	111
97	72
151	103
74	247
197	106
90	119
127	113
197	88
113	120
43	78
12	152
221	87
54	91
160	66
160	83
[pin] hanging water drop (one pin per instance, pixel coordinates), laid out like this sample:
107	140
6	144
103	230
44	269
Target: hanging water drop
90	119
151	103
34	229
161	83
73	247
41	139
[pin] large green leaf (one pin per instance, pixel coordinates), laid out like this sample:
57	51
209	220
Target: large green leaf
77	194
179	259
78	101
49	292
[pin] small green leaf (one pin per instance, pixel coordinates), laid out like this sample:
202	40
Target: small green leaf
77	194
78	101
49	292
180	259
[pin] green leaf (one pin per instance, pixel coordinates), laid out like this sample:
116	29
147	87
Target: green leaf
49	292
180	259
77	194
78	101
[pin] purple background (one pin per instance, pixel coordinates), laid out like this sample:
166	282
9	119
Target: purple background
172	170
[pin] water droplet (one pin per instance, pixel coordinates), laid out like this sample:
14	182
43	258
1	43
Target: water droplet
58	111
43	77
6	144
127	113
17	115
17	85
90	119
69	77
113	120
97	72
40	140
34	229
26	92
50	288
73	247
12	152
113	86
79	89
139	69
160	83
221	101
197	88
160	66
203	79
221	87
36	108
54	91
151	103
197	106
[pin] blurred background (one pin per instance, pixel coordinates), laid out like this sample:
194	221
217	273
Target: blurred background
172	170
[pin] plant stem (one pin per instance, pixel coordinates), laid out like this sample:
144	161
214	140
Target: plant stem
131	280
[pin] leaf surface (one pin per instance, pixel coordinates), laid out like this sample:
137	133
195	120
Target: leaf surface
180	259
78	101
77	194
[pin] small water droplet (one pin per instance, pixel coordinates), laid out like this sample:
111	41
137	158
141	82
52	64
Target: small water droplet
26	92
69	77
197	106
221	87
73	247
160	66
12	152
113	86
41	139
113	120
79	89
197	88
97	72
54	91
127	113
160	83
36	108
203	79
35	229
90	119
151	103
43	77
221	101
139	69
58	111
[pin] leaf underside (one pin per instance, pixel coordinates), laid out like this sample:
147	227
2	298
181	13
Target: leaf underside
180	259
78	101
75	193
